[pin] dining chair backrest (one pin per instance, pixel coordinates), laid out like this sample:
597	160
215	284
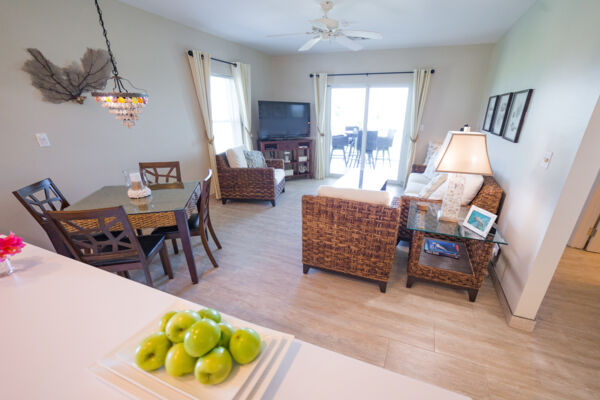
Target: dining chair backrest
40	197
371	140
161	172
98	237
203	200
351	129
339	141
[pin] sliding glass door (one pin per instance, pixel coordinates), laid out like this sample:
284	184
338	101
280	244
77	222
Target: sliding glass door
367	128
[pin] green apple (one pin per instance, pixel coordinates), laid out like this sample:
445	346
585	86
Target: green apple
163	321
226	333
201	337
210	313
214	367
151	353
244	345
178	361
179	323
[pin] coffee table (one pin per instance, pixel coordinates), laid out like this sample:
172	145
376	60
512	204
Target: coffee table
475	252
363	179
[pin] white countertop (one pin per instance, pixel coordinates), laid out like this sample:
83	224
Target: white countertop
59	316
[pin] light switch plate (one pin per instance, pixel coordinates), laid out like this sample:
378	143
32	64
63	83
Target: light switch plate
42	139
546	160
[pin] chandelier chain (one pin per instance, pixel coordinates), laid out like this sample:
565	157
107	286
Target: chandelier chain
105	33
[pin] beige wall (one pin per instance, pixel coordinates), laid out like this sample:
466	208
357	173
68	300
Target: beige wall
554	49
89	147
454	95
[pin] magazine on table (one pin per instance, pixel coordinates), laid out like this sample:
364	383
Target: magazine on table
441	248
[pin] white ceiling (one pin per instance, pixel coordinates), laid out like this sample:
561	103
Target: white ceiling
403	23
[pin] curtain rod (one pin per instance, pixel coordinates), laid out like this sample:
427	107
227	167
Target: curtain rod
371	73
191	54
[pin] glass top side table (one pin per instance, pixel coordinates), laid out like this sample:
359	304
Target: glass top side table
475	252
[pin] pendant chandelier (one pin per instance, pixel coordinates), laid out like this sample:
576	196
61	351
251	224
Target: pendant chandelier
123	104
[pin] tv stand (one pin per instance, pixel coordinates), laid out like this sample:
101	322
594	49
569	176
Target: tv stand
296	154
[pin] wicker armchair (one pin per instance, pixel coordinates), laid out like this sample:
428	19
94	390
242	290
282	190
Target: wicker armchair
349	237
488	198
249	183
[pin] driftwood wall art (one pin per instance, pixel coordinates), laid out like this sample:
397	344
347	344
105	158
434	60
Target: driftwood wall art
62	84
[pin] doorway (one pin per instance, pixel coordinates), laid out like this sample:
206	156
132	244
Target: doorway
586	235
367	129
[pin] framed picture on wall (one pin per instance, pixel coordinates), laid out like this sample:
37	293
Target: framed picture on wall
489	113
516	115
501	113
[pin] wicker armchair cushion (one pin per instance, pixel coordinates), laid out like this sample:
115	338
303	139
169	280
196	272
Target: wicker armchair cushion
415	183
255	159
279	174
236	158
365	196
473	184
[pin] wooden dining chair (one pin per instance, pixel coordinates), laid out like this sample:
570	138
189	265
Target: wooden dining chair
199	224
40	197
105	239
161	172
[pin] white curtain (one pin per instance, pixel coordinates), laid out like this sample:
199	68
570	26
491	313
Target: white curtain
421	79
321	144
200	65
241	79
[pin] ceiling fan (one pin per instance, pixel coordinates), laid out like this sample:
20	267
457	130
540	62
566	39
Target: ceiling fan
326	28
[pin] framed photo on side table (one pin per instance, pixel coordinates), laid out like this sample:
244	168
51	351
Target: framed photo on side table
479	221
489	114
501	113
516	115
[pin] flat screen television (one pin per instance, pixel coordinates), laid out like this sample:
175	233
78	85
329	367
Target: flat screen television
283	120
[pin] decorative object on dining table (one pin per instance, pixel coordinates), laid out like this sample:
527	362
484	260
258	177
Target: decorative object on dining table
489	114
9	246
62	84
499	120
136	186
479	221
516	115
125	105
466	153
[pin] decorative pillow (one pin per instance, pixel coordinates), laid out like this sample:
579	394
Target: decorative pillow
255	159
236	158
435	159
473	184
432	148
366	196
432	186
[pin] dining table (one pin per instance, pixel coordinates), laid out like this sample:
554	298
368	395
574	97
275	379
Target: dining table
60	316
170	204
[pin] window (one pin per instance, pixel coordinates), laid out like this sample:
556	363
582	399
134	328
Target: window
227	126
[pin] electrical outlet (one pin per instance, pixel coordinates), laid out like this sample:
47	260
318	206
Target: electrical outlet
546	160
42	139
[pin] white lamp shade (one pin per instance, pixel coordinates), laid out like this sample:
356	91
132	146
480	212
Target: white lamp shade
466	154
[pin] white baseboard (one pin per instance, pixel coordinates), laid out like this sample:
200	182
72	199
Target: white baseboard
514	321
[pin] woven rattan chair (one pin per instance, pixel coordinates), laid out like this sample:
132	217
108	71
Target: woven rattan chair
40	197
199	224
489	198
161	172
349	237
105	239
249	183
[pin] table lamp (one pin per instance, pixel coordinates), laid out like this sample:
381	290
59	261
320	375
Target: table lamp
466	153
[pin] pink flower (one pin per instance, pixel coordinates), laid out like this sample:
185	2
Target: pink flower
10	245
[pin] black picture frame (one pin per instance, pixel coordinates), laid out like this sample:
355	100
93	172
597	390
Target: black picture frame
516	115
502	107
489	114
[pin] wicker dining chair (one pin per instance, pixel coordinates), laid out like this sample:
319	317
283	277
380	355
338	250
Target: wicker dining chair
40	197
161	172
199	223
105	239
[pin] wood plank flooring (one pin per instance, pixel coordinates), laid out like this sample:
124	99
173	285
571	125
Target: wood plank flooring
430	332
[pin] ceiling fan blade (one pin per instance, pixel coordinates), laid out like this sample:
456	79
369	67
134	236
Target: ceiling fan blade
290	34
363	34
349	43
319	24
311	42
